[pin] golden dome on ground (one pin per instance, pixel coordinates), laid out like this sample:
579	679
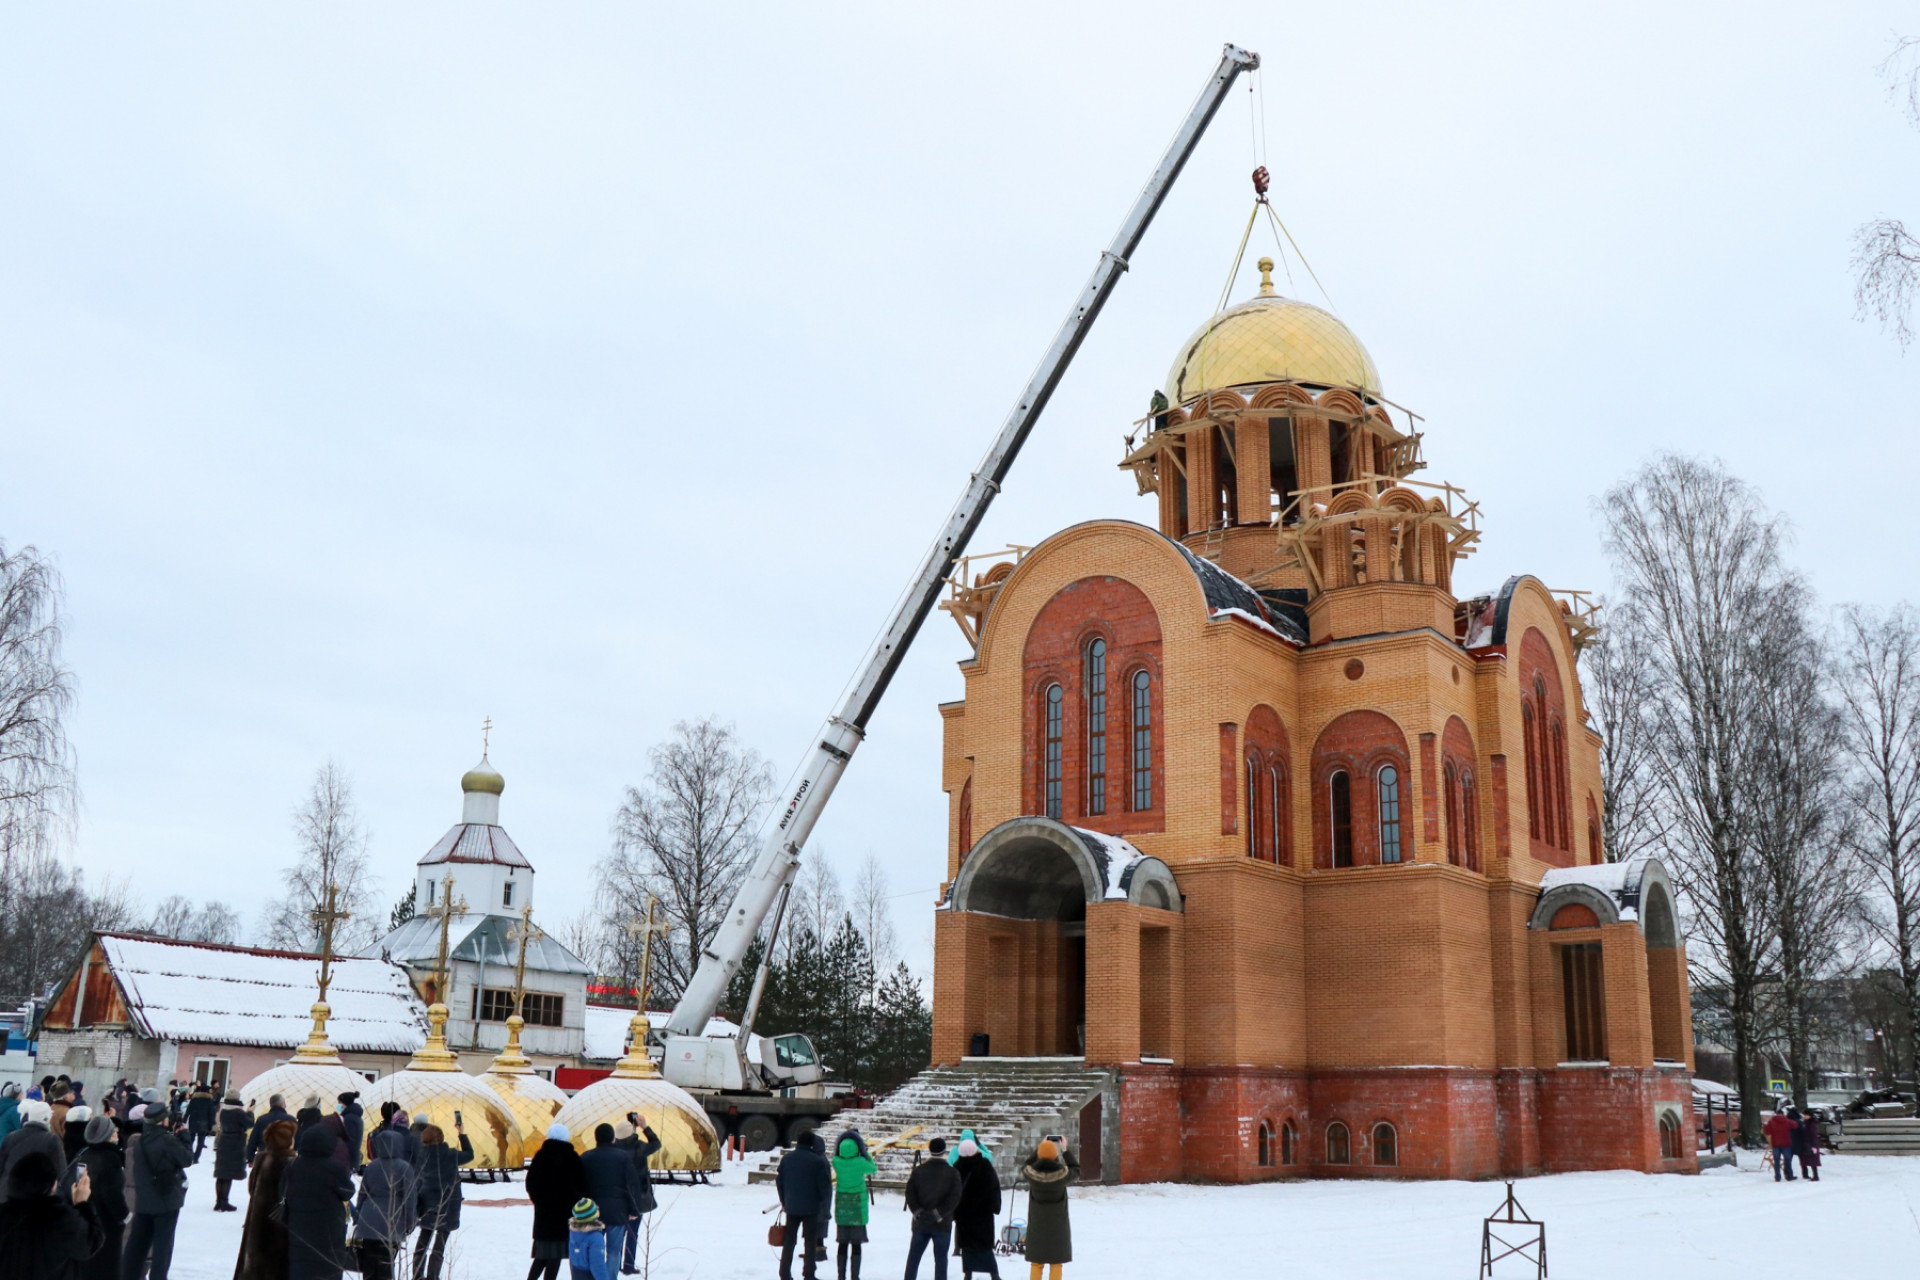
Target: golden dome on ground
533	1099
434	1085
314	1071
688	1140
1269	338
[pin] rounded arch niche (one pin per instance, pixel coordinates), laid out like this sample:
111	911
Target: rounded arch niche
1034	868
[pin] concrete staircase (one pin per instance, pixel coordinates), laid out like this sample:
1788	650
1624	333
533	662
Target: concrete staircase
1879	1138
1009	1103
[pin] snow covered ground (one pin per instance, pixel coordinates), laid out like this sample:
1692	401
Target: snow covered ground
1860	1220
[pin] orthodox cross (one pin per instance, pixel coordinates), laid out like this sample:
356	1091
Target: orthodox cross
523	933
646	930
448	908
486	731
325	917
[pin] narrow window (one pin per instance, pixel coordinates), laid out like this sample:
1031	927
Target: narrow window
1052	797
1338	454
1470	812
1097	726
1386	1145
1142	741
1389	814
1532	749
1452	791
1594	853
1286	1143
1253	804
1282	473
1563	803
429	893
1669	1136
1274	792
1265	1156
1341	788
506	894
1584	994
1338	1147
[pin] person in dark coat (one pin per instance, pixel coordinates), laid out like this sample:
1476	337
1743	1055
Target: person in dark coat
158	1169
34	1134
353	1121
933	1193
235	1122
979	1205
263	1241
106	1173
1806	1146
388	1207
614	1185
44	1234
805	1186
202	1107
276	1112
641	1153
75	1137
439	1195
555	1183
1049	1233
307	1116
315	1190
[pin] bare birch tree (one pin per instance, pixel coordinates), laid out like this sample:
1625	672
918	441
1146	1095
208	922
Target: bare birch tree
1699	560
37	786
1794	808
873	913
817	904
1615	688
1879	683
686	837
332	850
1886	258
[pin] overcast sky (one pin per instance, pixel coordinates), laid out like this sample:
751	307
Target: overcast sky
372	369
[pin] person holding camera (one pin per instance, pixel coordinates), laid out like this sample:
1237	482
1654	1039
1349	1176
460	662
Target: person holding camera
43	1233
1049	1233
629	1138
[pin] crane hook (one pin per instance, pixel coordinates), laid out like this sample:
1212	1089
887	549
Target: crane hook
1260	180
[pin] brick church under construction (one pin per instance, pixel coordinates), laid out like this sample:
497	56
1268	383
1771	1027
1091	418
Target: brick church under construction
1252	814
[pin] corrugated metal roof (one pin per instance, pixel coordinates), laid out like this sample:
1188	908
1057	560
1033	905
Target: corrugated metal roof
477	939
476	842
244	995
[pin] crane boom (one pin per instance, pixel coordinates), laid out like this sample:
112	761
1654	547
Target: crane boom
779	858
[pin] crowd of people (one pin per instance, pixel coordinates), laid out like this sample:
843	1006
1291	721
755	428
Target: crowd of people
98	1196
952	1202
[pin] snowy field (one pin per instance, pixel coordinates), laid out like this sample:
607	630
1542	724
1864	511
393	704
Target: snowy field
1860	1220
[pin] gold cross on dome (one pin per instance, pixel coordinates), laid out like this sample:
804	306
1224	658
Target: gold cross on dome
523	933
486	731
325	917
448	908
637	928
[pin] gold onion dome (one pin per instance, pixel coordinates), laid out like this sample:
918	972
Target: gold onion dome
483	777
1269	338
315	1070
687	1137
433	1085
533	1099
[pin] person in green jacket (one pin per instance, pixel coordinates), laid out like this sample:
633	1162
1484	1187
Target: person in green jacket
852	1166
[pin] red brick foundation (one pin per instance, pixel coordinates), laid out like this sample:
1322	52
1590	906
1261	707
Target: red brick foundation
1202	1124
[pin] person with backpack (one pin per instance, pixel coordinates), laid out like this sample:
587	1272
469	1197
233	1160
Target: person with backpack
157	1169
852	1202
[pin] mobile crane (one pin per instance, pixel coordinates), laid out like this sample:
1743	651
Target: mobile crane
749	1084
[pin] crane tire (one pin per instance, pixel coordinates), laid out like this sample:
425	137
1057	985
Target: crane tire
759	1133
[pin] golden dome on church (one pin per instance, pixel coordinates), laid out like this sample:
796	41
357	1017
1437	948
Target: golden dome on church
433	1085
483	778
1269	338
688	1140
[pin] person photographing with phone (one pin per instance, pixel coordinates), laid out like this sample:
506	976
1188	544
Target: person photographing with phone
640	1143
45	1233
439	1194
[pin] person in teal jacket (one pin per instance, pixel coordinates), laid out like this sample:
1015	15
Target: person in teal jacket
9	1108
852	1166
966	1135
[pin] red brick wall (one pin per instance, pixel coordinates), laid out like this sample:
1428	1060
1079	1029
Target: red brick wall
1604	1118
1150	1124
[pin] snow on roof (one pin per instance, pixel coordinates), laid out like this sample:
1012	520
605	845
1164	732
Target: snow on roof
1114	855
607	1026
476	842
1702	1085
1228	595
247	996
1618	880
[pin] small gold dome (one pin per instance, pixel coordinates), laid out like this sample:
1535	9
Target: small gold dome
483	777
497	1140
297	1081
1269	338
687	1137
533	1099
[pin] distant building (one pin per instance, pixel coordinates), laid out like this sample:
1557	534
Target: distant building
157	1009
495	881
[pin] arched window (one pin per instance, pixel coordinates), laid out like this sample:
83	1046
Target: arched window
1669	1136
1531	749
1386	1145
1097	726
1054	698
1470	819
966	818
1286	1143
1338	1146
1389	813
1277	831
1340	791
1253	804
1142	740
1265	1155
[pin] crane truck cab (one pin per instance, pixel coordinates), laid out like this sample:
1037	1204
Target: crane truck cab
715	1062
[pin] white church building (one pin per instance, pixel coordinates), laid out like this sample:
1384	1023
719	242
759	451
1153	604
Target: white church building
494	882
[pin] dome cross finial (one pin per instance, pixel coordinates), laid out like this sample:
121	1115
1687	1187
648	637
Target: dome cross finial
486	732
1266	277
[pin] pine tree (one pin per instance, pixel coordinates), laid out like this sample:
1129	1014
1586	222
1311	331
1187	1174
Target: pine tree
903	1029
403	909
